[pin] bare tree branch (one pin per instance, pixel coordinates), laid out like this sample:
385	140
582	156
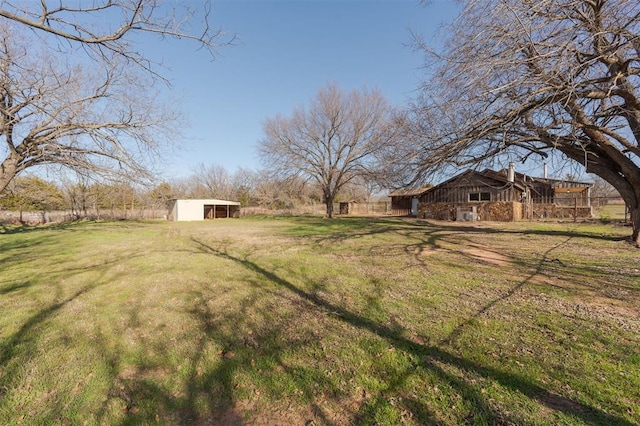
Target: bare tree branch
332	142
522	77
53	112
107	29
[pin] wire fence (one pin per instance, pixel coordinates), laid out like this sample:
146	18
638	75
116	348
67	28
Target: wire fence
603	208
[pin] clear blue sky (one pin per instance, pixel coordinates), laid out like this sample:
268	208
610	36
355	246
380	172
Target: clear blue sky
287	50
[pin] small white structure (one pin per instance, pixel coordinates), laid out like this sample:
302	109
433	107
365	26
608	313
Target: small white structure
184	210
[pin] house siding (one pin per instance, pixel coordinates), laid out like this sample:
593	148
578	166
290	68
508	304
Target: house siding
503	211
490	196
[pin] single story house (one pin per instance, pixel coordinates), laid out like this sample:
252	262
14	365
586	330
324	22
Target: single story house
186	210
405	201
505	195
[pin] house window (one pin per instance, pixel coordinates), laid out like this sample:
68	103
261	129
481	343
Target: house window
480	196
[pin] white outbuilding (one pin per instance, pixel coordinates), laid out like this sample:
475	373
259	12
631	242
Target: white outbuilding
184	210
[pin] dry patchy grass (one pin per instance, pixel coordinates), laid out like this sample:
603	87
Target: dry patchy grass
297	320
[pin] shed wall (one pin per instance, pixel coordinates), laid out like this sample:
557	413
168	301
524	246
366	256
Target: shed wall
190	210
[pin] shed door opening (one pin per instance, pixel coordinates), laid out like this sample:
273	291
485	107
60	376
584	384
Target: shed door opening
209	211
215	211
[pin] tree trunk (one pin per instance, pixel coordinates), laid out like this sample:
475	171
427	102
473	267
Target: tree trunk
8	170
635	224
328	202
84	205
627	188
632	202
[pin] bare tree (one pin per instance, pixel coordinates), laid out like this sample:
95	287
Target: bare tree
244	182
360	189
527	78
211	181
159	196
107	29
100	120
77	194
275	192
99	117
331	142
603	189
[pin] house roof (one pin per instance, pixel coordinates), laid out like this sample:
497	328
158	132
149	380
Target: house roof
410	192
499	178
521	181
556	183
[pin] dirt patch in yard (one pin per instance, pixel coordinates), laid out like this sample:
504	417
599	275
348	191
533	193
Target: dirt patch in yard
246	413
478	253
486	256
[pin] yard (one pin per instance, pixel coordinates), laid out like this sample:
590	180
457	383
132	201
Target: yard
610	212
300	320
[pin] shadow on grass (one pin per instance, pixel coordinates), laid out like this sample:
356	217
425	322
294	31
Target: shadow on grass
28	342
432	358
138	391
210	395
76	225
24	229
11	346
430	235
513	290
466	241
342	228
393	224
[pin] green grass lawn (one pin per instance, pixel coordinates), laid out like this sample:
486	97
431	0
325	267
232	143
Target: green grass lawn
610	212
289	320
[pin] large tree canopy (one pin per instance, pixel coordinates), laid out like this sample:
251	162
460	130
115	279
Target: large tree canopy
101	120
333	141
95	114
106	29
524	78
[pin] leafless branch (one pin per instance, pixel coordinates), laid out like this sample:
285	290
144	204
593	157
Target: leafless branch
534	77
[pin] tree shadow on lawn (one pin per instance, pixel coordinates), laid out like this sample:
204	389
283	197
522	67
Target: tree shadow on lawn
432	236
459	239
7	347
24	344
39	247
10	348
140	392
341	229
487	228
25	229
17	251
513	290
74	225
211	395
466	241
205	395
431	358
52	275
